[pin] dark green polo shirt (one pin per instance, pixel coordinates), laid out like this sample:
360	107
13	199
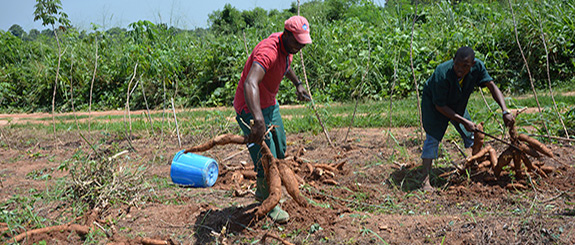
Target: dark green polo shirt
443	89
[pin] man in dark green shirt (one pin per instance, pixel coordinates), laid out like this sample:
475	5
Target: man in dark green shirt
444	100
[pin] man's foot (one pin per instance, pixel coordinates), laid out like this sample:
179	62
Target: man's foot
426	186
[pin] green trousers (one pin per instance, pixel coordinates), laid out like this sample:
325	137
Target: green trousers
276	139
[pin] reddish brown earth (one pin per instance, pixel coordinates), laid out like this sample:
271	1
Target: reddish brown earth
377	199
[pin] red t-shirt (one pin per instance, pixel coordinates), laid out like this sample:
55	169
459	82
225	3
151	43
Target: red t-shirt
272	56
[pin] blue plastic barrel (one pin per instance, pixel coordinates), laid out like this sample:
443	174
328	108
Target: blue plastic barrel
193	170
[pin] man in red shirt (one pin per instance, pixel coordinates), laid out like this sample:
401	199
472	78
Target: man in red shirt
255	97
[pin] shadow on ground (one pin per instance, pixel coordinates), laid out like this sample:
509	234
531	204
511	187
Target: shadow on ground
410	179
210	223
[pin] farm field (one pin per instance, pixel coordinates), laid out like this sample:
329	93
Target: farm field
121	189
125	99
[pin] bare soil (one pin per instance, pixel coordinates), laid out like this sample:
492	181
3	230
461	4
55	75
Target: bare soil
377	198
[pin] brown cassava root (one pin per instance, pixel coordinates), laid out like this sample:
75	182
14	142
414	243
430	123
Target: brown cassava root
477	140
522	146
320	172
288	176
277	172
83	230
520	151
219	140
538	146
503	160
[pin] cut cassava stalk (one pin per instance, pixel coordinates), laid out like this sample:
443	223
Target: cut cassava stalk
313	105
527	66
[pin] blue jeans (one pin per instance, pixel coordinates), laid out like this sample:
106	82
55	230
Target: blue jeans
431	145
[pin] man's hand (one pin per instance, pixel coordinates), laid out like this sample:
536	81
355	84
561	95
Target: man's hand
469	125
509	119
258	129
302	94
448	112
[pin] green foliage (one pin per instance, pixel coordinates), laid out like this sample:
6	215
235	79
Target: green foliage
570	121
17	31
49	11
202	67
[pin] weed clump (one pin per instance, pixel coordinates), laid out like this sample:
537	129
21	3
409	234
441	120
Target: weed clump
102	182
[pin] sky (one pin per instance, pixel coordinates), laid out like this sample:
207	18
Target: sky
186	14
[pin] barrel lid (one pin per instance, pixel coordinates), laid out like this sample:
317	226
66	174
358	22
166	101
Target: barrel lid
211	174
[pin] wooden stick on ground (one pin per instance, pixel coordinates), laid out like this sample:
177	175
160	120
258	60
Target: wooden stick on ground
283	241
553	137
234	154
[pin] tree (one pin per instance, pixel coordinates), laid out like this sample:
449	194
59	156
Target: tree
116	32
229	20
32	35
255	18
17	31
47	33
49	11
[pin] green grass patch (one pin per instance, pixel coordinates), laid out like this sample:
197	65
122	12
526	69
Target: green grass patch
369	114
